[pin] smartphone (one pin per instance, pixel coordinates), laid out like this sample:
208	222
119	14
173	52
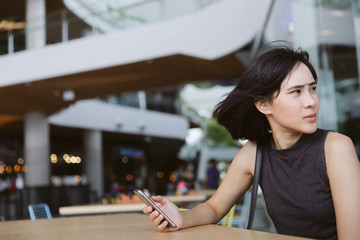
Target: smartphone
150	202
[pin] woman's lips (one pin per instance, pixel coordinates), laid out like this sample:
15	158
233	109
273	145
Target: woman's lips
311	117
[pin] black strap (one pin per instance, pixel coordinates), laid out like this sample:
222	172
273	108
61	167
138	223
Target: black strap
255	184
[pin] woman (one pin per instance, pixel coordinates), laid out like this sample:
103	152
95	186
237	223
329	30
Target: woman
310	177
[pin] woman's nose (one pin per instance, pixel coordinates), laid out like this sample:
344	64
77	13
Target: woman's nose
310	100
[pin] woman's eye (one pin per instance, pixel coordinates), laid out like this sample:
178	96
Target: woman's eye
313	89
296	91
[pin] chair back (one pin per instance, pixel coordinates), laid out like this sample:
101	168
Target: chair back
228	218
245	210
38	211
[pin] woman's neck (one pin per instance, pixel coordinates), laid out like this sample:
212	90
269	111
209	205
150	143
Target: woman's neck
284	140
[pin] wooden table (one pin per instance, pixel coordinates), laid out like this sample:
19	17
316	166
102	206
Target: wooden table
120	227
123	208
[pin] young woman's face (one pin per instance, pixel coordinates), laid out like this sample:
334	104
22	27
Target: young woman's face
296	107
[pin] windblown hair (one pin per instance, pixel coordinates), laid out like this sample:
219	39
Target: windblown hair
261	82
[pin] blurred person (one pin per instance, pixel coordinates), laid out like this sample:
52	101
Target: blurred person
180	172
189	178
310	177
182	187
188	173
181	179
185	184
212	175
170	188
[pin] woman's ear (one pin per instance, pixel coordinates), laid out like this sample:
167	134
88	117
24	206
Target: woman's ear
263	107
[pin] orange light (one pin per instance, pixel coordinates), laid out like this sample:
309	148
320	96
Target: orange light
172	177
125	160
66	158
113	178
8	169
160	174
53	158
78	178
17	168
129	177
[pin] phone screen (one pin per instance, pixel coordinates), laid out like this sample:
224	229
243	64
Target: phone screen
150	202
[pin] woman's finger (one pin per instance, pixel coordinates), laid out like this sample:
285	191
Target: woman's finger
147	210
158	220
154	215
163	226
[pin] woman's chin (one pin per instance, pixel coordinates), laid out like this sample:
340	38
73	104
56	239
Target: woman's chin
310	129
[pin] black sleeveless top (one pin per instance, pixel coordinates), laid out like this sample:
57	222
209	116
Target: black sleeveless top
296	188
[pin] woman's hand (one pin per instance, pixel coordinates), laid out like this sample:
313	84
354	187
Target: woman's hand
171	211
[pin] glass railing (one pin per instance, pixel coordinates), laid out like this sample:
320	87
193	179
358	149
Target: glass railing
64	25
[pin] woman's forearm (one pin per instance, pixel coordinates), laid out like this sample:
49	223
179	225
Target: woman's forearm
202	214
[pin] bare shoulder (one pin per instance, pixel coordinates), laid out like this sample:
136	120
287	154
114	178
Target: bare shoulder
337	142
249	147
339	149
246	157
337	139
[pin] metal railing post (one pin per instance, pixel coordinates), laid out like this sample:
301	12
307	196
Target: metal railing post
10	41
64	26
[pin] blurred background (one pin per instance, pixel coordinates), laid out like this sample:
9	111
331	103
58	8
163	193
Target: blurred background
98	97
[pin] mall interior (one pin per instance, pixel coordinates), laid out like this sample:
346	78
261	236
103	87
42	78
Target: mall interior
101	97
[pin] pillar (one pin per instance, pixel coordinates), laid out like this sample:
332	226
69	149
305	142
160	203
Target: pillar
93	160
35	23
37	149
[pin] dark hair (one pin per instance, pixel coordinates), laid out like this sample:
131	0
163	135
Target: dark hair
212	161
260	82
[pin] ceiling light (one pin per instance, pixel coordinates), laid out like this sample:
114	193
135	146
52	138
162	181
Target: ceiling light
68	95
11	25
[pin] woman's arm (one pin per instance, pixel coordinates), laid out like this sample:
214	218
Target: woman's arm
236	182
343	169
